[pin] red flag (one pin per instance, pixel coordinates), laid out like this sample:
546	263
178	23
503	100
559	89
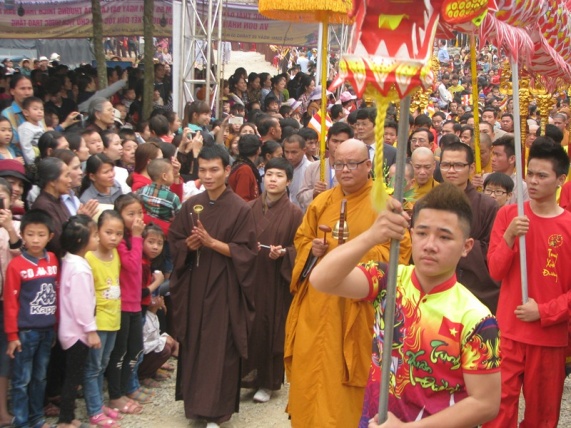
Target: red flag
449	329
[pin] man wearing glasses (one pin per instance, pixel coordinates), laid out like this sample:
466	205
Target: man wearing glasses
457	165
329	337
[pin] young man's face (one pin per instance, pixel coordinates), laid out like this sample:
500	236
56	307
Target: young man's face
438	242
275	181
498	193
334	141
507	124
365	130
489	117
466	137
312	147
437	123
390	136
448	128
541	179
293	153
420	139
212	174
500	160
36	236
459	170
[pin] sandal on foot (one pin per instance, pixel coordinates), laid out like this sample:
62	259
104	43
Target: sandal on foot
114	414
140	396
131	408
150	383
161	375
148	391
167	367
102	421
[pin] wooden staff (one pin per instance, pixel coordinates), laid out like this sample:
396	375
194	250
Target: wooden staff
519	186
324	70
475	98
389	314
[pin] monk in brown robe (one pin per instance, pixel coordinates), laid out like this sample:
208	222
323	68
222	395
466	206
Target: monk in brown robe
328	348
277	220
213	242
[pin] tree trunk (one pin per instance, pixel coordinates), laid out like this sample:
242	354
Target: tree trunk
148	31
98	43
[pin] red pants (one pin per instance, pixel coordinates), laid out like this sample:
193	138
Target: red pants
541	371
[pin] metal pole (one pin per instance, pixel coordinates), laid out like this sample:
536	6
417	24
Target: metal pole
208	52
319	64
519	177
220	66
389	315
178	89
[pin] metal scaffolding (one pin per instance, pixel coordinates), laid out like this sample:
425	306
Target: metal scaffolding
198	26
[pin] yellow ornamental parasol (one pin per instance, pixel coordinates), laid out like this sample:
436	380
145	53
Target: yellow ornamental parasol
324	12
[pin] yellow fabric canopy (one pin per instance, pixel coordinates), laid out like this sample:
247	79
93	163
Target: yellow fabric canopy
332	11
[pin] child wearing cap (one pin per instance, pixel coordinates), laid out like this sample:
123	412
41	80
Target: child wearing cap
13	171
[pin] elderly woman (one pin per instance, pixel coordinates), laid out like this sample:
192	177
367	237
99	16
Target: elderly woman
101	116
54	182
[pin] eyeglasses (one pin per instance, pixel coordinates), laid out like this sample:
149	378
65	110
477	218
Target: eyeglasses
495	192
338	166
418	140
456	166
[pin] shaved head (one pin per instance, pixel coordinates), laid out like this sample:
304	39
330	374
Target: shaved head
422	153
354	152
354	144
423	165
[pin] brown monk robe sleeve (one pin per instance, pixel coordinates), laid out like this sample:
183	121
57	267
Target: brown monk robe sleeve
243	250
183	260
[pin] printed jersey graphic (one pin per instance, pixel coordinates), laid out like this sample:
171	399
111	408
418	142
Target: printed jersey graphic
436	341
45	301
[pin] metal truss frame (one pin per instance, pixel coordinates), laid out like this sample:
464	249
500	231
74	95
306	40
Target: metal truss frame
200	24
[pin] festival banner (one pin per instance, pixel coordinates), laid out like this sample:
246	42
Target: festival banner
64	19
242	23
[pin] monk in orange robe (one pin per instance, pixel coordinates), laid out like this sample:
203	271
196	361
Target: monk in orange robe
328	338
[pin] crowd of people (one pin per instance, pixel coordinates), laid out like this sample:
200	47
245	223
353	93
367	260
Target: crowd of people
108	218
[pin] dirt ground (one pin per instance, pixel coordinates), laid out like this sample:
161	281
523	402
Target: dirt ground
165	412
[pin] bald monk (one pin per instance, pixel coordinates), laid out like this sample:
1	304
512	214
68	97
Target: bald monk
423	165
328	338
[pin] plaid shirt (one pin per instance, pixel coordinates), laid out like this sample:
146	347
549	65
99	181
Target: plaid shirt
159	201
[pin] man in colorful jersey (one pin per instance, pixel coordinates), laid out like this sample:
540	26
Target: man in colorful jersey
446	365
